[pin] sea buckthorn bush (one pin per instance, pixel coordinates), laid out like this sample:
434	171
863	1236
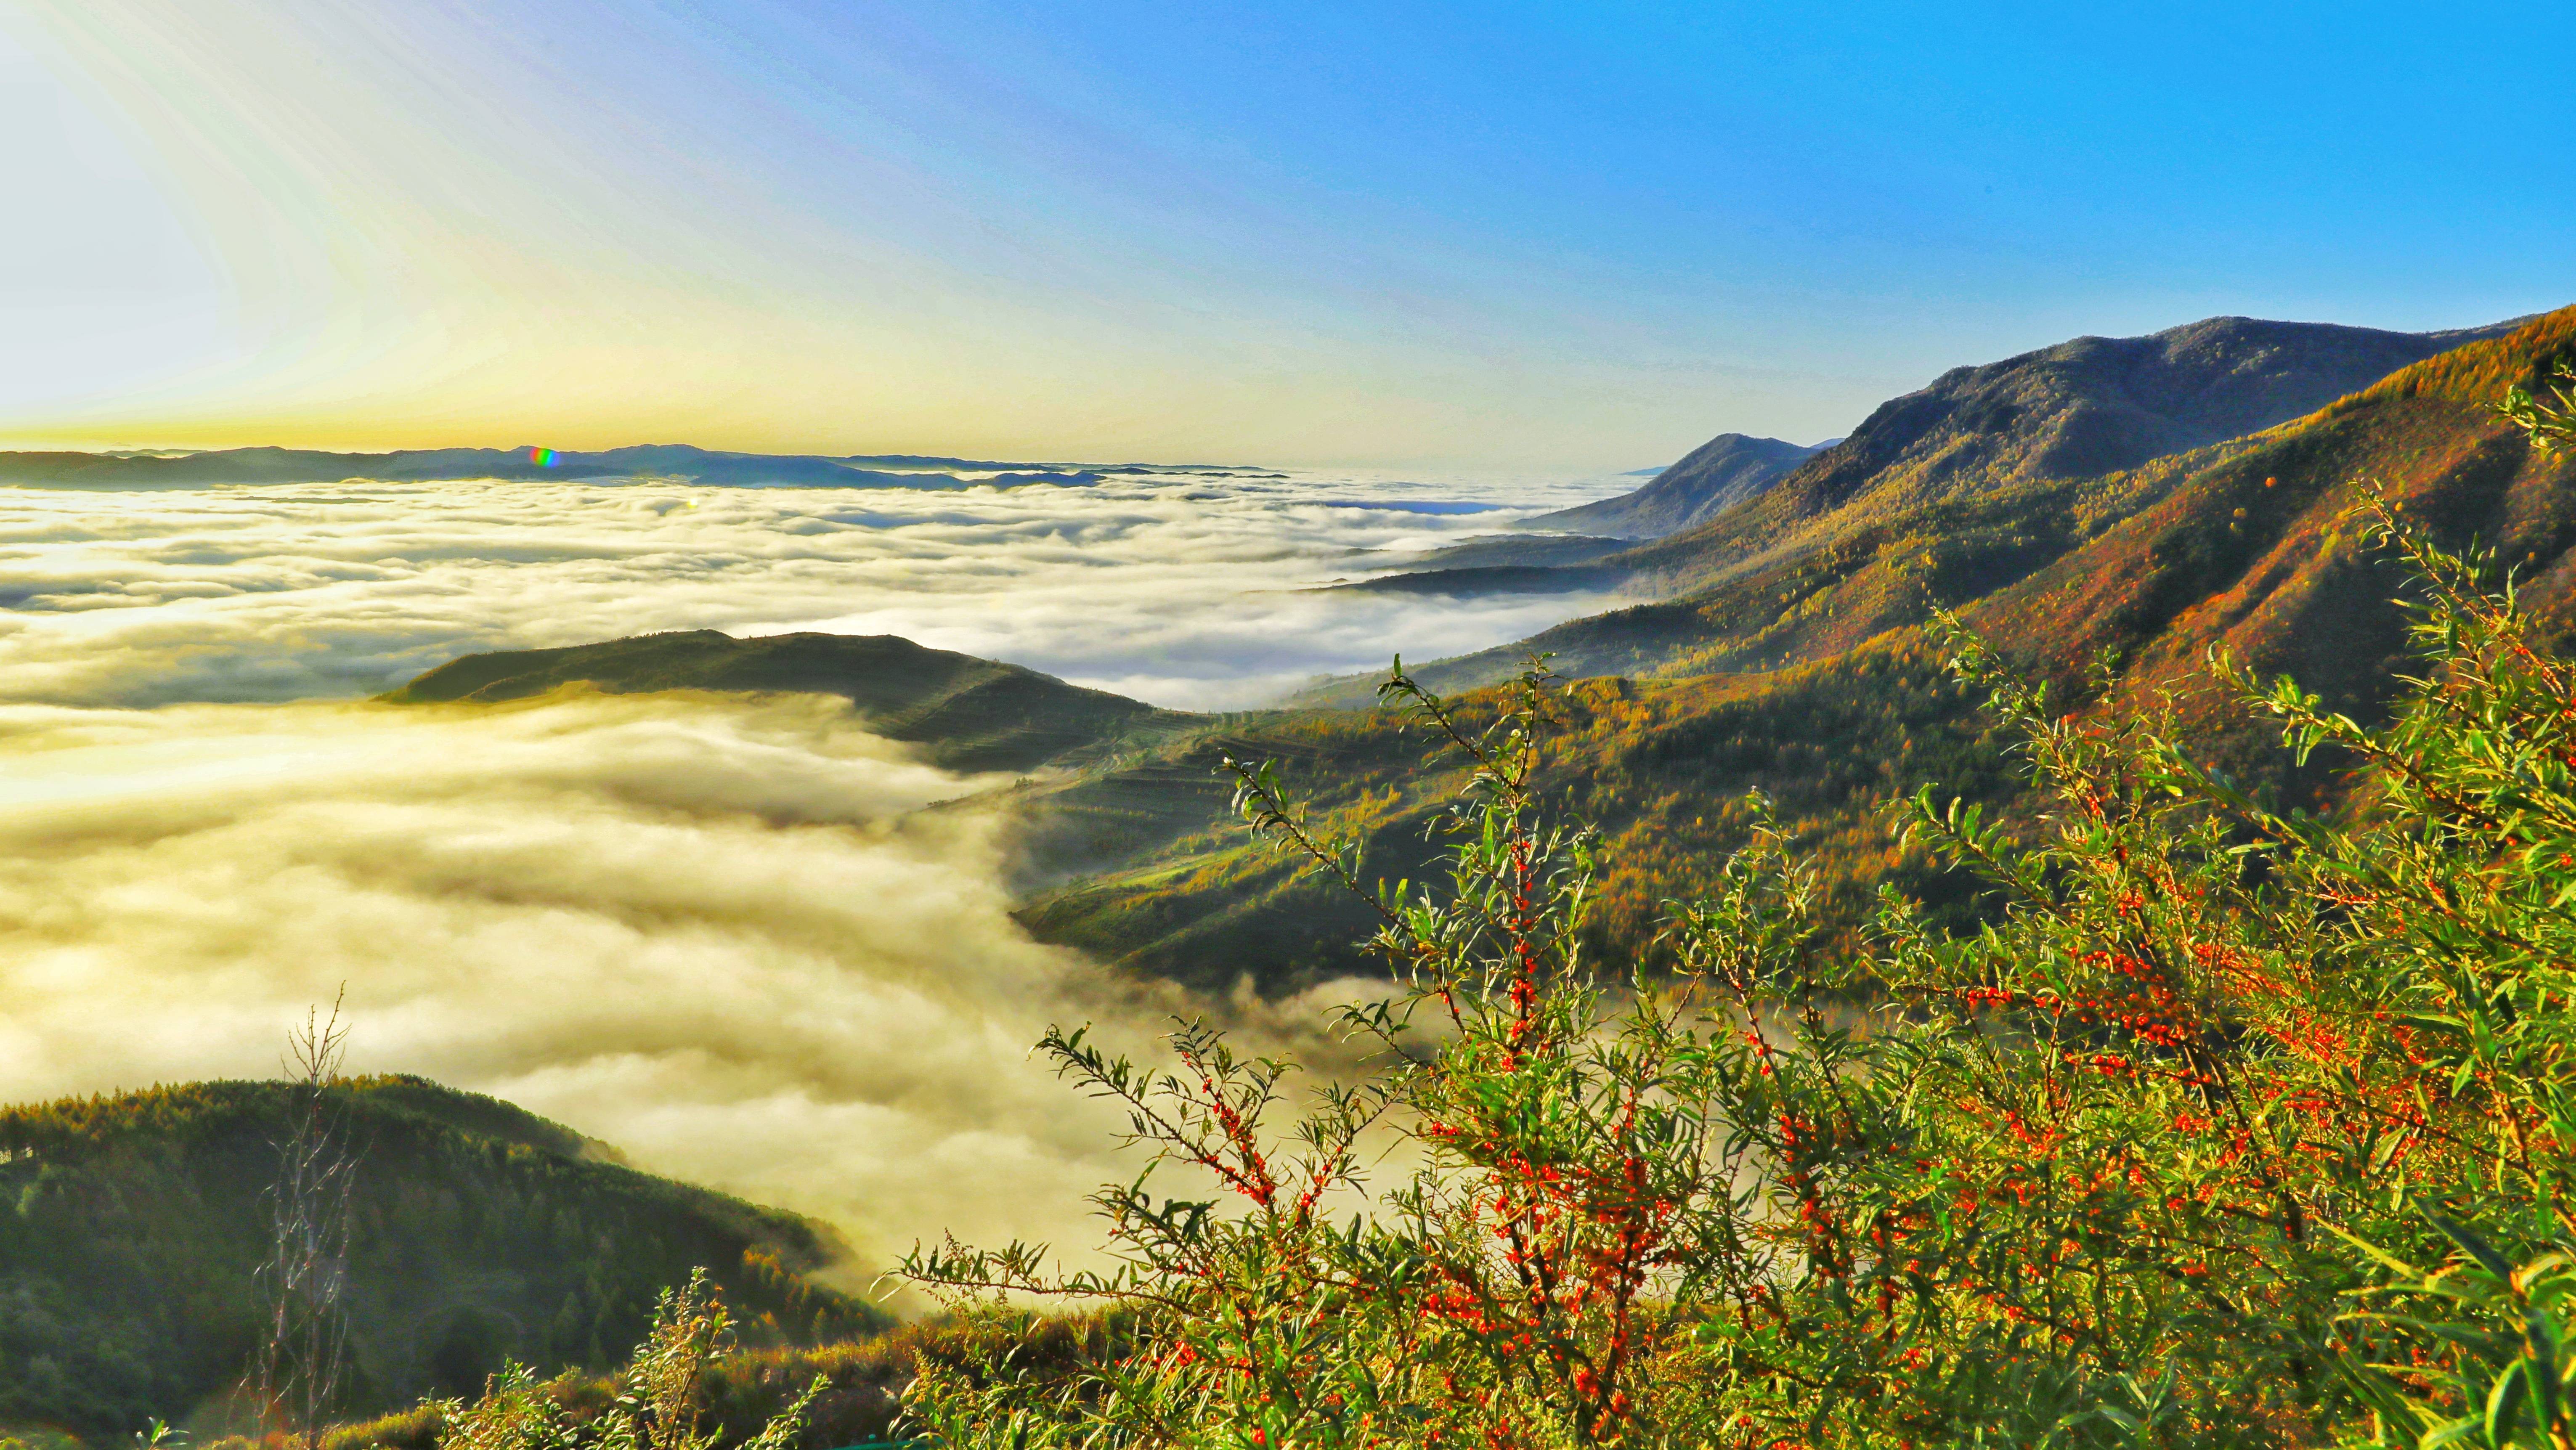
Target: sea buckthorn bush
2231	1126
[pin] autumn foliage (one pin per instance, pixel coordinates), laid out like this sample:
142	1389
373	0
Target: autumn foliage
2231	1126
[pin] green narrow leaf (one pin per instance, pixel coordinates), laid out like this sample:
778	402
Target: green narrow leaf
2504	1402
2476	1247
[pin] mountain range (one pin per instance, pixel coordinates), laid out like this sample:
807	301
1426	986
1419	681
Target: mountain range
2154	496
1790	654
2089	408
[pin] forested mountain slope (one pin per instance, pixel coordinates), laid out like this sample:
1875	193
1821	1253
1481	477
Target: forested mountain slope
1983	475
136	1224
1811	677
2088	406
2082	409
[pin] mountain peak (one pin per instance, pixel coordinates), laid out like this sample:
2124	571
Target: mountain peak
2085	407
2088	405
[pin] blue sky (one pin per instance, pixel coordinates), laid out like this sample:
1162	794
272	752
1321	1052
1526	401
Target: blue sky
1508	236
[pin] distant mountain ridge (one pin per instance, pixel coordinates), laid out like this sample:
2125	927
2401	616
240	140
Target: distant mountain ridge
966	713
1719	474
679	460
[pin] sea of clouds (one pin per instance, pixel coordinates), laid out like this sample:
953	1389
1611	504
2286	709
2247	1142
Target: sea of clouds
1186	590
722	935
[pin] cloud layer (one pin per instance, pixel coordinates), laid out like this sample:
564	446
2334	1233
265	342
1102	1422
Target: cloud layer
718	935
724	935
1180	589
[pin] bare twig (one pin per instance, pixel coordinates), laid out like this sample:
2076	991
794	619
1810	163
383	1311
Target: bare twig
304	1349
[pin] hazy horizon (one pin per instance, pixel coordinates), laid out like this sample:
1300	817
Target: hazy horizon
1546	237
1604	470
1592	469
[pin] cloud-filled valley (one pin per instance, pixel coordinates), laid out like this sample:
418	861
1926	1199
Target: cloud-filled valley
1179	589
713	933
722	934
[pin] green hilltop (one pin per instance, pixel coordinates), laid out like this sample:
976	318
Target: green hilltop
134	1225
966	713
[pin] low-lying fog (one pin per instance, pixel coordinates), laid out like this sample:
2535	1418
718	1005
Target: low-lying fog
1179	589
720	935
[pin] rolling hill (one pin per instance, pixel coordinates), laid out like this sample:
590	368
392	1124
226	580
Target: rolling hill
1468	580
966	713
478	1231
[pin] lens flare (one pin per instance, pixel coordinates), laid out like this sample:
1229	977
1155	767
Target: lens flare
542	457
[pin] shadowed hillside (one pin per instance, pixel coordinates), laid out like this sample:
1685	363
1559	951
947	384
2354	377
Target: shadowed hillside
1811	678
966	713
2253	555
1658	765
478	1231
1488	579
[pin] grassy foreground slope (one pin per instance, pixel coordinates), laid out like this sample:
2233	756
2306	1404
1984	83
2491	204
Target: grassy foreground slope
131	1226
966	713
1811	677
